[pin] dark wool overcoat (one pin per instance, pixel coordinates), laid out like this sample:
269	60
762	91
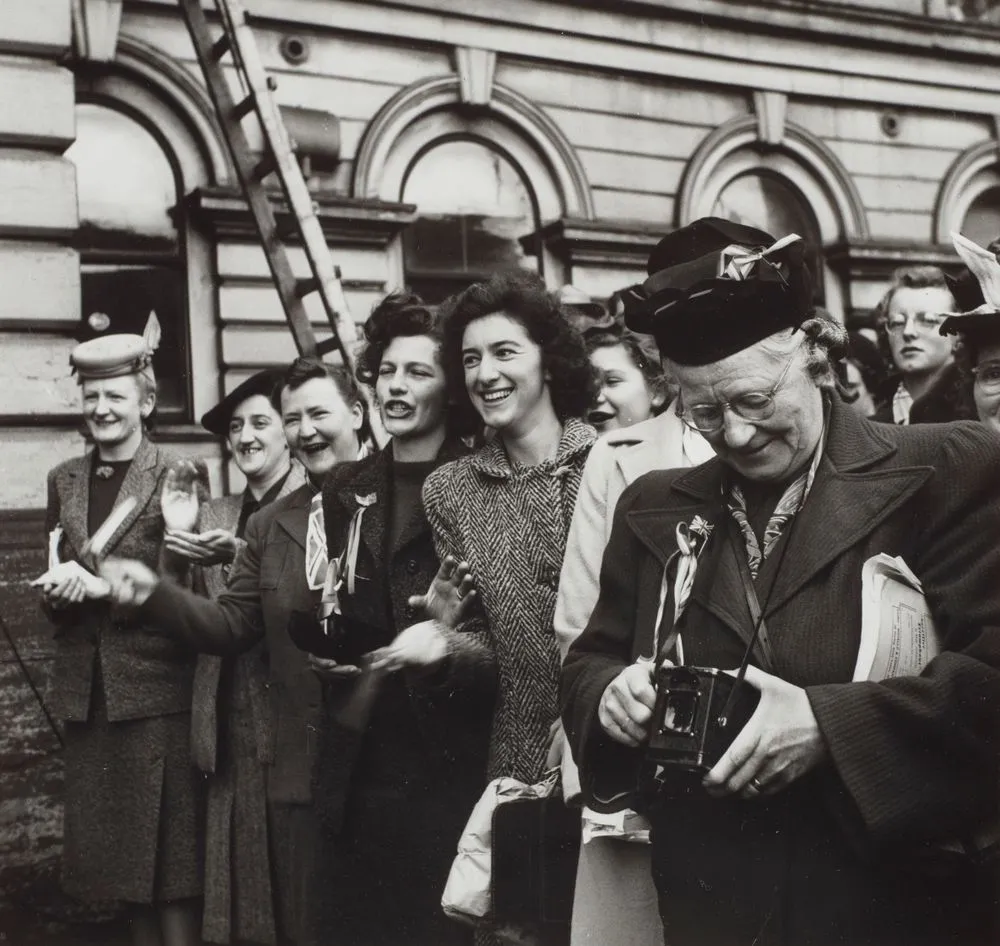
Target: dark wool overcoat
844	855
125	693
397	775
266	584
510	524
230	742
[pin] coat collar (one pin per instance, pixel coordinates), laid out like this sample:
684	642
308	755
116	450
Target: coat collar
141	482
853	493
293	517
577	437
370	479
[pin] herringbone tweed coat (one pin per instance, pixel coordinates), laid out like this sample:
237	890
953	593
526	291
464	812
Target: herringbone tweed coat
124	692
510	524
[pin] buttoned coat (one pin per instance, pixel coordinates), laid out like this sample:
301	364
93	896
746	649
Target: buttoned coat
231	702
450	719
424	739
510	524
266	584
131	797
143	673
831	858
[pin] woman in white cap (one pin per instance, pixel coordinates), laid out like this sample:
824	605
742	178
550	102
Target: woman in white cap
131	795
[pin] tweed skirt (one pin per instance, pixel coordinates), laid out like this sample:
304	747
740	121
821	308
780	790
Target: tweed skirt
132	809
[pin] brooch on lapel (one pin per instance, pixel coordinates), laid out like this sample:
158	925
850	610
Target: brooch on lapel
104	472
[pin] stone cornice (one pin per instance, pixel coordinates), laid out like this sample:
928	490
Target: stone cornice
857	23
623	244
224	214
875	259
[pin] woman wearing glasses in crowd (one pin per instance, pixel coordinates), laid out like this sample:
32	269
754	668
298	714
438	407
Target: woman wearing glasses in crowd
510	356
401	761
925	388
615	900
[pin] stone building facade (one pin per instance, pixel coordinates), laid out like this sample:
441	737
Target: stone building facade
441	141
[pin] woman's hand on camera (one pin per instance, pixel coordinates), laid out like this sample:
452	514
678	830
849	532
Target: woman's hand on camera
779	744
627	704
450	595
421	645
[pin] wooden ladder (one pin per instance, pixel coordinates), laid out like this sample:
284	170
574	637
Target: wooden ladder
237	41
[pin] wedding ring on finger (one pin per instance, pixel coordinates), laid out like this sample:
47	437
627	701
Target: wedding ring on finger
755	785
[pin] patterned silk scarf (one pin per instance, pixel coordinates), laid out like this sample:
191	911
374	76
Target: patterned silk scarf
790	503
316	559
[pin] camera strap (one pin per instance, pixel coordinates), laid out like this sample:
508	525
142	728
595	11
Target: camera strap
750	593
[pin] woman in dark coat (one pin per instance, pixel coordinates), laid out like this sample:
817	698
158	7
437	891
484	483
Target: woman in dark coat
825	822
131	796
402	760
230	735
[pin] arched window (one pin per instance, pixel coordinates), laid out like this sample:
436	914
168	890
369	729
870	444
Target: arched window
982	220
764	200
474	204
129	239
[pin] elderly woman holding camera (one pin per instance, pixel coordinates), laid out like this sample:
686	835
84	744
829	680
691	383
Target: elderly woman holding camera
822	821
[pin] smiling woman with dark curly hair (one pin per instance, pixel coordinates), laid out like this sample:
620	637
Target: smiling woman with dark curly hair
520	299
510	355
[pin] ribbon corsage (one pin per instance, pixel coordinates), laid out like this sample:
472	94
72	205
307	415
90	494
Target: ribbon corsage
692	537
344	567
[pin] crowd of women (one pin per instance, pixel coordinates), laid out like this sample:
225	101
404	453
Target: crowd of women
281	706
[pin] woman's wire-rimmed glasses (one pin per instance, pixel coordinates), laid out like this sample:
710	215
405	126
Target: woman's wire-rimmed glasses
754	406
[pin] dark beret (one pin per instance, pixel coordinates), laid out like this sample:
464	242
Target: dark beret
263	382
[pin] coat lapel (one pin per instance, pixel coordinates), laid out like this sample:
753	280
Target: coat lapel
853	494
292	518
141	482
74	502
717	586
369	486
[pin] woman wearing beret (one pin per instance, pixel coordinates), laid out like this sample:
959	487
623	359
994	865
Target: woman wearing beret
401	760
229	713
131	796
842	811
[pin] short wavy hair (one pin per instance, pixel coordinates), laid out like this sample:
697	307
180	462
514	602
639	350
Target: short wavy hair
661	389
399	314
522	296
825	340
304	369
906	277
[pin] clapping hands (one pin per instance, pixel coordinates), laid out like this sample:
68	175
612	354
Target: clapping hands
450	595
215	547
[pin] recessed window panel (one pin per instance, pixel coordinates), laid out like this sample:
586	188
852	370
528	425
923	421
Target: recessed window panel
130	251
473	207
125	183
982	219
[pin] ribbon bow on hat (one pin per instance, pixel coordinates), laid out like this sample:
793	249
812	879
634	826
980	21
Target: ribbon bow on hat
739	262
